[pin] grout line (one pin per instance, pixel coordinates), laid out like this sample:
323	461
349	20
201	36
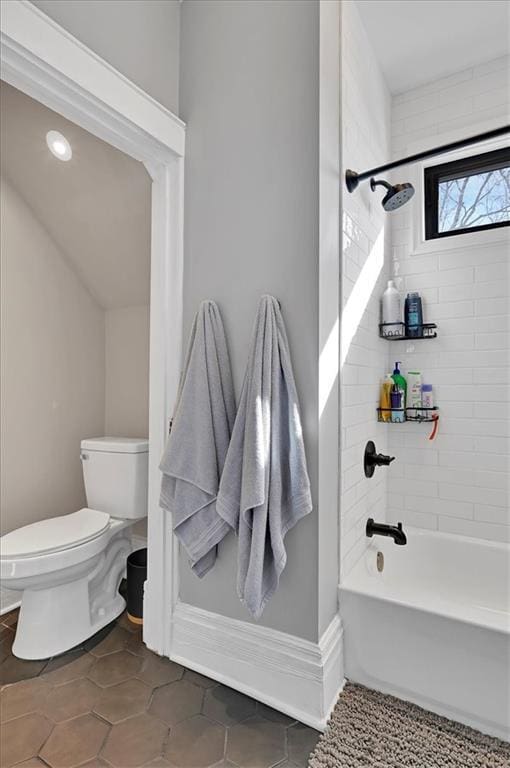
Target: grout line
225	742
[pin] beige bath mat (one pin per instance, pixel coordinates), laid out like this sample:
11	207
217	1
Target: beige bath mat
370	730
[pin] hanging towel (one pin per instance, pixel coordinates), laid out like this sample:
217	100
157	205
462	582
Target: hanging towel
197	446
264	488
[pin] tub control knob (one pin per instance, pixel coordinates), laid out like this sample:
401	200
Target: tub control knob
373	459
381	460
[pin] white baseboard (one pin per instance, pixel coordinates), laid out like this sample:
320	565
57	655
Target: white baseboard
295	676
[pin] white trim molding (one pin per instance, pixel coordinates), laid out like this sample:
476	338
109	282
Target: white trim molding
415	174
41	59
294	676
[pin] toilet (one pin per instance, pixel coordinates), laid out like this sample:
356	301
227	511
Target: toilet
69	568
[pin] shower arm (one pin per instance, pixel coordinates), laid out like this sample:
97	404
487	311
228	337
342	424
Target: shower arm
352	179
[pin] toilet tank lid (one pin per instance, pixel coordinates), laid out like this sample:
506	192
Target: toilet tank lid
116	444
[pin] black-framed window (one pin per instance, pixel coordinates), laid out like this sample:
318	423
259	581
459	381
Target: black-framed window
468	195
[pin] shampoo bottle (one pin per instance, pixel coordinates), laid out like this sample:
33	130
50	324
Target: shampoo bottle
391	311
413	315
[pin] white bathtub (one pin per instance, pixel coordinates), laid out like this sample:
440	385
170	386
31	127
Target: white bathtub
434	626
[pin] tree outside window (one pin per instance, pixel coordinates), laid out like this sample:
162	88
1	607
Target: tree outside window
468	194
482	198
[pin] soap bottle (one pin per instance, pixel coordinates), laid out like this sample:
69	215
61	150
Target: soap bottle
400	386
413	315
391	311
385	398
400	382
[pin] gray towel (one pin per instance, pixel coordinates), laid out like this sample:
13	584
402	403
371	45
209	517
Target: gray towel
197	446
264	488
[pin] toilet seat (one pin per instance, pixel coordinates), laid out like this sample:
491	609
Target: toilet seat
55	534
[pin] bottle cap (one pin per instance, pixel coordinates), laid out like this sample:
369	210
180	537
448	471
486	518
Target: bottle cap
426	387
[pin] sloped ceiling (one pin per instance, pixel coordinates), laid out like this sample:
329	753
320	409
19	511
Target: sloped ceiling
96	206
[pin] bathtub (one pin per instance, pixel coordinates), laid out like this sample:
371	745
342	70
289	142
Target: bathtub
433	627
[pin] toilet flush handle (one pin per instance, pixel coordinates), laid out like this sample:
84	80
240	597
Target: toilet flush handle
84	456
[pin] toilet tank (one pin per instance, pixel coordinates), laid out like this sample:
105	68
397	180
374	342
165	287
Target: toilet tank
115	471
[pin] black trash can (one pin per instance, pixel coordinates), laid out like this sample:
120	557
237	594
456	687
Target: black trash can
136	576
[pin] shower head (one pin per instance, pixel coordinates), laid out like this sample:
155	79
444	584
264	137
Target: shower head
396	196
399	194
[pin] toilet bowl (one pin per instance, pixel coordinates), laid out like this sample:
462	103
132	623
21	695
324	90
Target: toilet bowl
69	567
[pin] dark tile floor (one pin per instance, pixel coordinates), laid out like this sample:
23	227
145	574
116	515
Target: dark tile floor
114	703
12	669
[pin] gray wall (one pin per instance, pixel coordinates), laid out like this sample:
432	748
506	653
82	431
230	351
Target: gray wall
249	92
52	391
126	411
140	38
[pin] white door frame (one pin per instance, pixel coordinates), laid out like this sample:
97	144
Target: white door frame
44	61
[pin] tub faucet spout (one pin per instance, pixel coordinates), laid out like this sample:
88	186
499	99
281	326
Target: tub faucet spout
381	529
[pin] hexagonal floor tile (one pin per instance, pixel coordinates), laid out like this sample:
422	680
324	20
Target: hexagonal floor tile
11	619
228	706
118	702
23	738
74	742
256	743
99	636
136	645
158	670
273	715
228	764
195	743
301	741
63	660
78	667
116	640
197	679
124	622
71	700
176	701
115	668
135	742
22	698
6	641
12	669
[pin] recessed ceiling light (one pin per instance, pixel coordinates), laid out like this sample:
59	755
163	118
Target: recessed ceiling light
58	145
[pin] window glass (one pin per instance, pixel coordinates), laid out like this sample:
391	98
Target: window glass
475	200
467	195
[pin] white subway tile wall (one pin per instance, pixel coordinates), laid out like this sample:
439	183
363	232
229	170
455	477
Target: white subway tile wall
459	482
366	104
